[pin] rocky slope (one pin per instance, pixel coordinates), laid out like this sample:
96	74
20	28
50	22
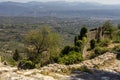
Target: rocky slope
104	67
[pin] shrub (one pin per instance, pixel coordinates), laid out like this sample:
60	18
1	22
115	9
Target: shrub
77	49
118	26
92	44
76	39
116	37
104	43
16	55
11	62
71	58
79	46
27	64
116	48
100	50
83	33
67	49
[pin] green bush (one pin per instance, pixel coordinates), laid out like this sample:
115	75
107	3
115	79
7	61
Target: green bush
27	64
79	46
71	58
77	49
11	62
67	49
83	32
79	43
116	38
100	50
104	43
92	44
16	55
116	49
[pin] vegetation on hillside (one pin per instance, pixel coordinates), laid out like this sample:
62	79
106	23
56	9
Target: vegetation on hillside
41	46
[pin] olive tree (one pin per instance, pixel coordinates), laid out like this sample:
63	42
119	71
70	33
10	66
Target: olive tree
42	39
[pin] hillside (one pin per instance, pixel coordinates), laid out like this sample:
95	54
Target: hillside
59	40
39	55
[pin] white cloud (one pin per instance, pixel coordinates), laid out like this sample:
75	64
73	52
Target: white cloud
99	1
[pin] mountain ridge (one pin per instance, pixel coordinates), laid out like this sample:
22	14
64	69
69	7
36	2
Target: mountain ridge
58	9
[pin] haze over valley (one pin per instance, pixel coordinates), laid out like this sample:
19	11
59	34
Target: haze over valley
60	9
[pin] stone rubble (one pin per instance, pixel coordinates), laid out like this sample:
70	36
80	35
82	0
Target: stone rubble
98	62
105	63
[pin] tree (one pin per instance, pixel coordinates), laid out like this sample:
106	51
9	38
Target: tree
79	45
67	49
42	39
83	32
108	28
41	43
92	44
16	55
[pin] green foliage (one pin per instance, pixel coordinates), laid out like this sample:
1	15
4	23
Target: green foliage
27	64
116	49
92	44
16	55
82	36
71	58
79	43
76	39
13	45
116	37
83	33
104	42
67	49
77	48
107	25
100	50
71	55
42	39
108	29
43	45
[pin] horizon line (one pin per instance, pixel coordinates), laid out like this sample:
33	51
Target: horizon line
61	1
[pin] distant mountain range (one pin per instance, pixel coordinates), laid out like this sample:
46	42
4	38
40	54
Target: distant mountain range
59	9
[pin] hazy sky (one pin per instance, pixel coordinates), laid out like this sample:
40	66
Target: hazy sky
99	1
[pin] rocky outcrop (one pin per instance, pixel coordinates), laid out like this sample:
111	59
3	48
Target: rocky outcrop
104	67
11	73
104	60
